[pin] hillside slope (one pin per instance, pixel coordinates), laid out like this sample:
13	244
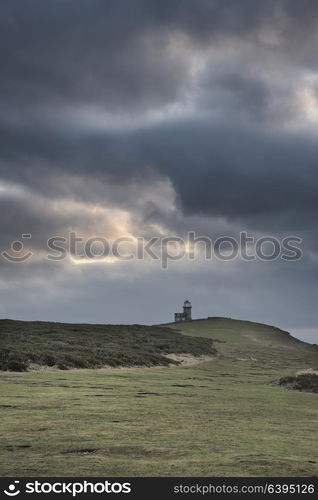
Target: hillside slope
245	340
67	346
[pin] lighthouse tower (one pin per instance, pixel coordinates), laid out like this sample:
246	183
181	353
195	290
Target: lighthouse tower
187	310
186	315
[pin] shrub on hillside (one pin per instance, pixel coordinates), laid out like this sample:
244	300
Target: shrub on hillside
16	366
307	382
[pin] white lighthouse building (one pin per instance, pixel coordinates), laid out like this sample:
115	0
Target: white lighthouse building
186	315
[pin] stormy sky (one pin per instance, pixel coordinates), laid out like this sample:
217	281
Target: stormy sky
146	118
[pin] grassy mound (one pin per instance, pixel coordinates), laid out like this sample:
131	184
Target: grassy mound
265	345
92	346
307	382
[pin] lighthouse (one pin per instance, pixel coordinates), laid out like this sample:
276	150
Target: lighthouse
186	315
187	310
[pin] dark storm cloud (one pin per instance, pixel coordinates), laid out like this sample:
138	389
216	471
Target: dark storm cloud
216	168
85	52
117	53
80	85
248	94
242	92
220	169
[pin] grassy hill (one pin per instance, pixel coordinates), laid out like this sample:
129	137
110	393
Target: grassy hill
265	345
220	417
65	346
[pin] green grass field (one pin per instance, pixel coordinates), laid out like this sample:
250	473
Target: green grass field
221	417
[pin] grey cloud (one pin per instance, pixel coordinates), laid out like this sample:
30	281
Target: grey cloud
116	54
216	168
230	163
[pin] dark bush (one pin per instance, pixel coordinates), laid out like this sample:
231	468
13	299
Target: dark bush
307	382
62	366
16	366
